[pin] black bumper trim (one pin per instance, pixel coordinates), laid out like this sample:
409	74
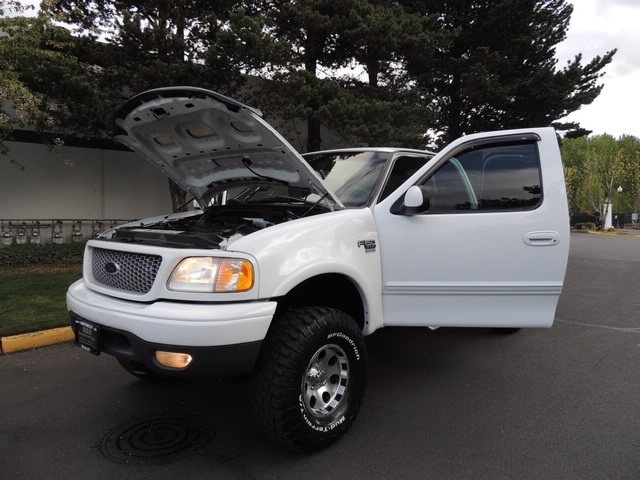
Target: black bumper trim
215	361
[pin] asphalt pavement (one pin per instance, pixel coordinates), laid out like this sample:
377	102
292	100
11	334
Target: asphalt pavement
559	403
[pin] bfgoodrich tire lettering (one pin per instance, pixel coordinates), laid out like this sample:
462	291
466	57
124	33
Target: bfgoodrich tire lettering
310	377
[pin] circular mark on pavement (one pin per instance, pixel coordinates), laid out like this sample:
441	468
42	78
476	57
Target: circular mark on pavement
157	439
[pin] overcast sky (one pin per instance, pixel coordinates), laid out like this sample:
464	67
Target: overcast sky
596	27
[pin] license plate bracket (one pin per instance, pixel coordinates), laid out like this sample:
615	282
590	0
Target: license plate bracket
87	336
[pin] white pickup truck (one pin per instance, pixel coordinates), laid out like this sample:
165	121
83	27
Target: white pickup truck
292	260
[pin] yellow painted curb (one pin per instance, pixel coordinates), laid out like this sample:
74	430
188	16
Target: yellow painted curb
26	341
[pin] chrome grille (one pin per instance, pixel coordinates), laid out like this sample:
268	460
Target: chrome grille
131	272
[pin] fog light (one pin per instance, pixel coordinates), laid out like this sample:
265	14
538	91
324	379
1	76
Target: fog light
173	359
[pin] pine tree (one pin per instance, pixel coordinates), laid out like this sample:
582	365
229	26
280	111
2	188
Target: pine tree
340	64
499	71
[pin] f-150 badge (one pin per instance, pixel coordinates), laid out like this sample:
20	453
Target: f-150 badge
369	245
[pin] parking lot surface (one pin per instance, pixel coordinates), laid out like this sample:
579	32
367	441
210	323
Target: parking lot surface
449	404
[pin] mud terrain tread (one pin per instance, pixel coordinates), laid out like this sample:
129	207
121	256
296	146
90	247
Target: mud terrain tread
277	377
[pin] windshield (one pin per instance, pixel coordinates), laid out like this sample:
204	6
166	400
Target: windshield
267	192
352	176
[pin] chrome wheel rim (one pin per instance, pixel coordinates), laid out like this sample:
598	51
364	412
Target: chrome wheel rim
325	381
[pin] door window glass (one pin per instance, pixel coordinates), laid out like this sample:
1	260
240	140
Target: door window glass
492	178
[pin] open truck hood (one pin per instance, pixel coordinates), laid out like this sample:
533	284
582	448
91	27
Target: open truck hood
203	140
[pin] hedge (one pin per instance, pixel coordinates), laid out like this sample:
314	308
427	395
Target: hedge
60	254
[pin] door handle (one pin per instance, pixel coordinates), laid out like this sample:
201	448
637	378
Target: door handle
542	238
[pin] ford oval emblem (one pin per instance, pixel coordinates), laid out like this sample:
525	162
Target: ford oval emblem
112	268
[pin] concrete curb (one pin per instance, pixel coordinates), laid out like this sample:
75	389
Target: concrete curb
26	341
628	233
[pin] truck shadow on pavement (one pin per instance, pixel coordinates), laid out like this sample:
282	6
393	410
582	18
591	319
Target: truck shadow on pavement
157	422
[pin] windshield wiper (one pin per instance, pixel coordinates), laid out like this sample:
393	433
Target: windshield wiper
303	201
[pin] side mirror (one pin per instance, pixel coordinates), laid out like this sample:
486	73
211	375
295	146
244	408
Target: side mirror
415	197
414	202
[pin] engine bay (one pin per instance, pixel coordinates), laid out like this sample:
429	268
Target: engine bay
215	228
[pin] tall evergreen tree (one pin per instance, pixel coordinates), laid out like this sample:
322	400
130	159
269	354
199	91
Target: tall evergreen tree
305	36
340	65
452	66
381	107
160	42
499	70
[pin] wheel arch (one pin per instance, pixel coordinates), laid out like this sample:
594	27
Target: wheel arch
333	290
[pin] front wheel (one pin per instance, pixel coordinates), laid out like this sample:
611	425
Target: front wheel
140	371
310	377
506	330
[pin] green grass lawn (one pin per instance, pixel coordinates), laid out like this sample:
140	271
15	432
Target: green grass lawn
33	297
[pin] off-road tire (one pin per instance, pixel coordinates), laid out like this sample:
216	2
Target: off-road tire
506	330
310	377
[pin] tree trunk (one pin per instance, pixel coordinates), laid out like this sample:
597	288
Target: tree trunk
314	139
312	45
455	129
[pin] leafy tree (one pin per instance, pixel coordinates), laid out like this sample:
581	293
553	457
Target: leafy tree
498	70
596	166
20	107
44	85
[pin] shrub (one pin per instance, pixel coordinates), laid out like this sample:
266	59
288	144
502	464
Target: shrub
585	226
22	255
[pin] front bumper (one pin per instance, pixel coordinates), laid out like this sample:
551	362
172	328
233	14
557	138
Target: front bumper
224	339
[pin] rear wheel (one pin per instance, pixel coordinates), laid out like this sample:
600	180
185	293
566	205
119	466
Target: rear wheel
310	377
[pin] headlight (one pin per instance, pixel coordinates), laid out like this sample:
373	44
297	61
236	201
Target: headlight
209	274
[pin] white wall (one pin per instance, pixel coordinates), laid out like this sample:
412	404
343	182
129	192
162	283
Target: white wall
90	185
78	184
